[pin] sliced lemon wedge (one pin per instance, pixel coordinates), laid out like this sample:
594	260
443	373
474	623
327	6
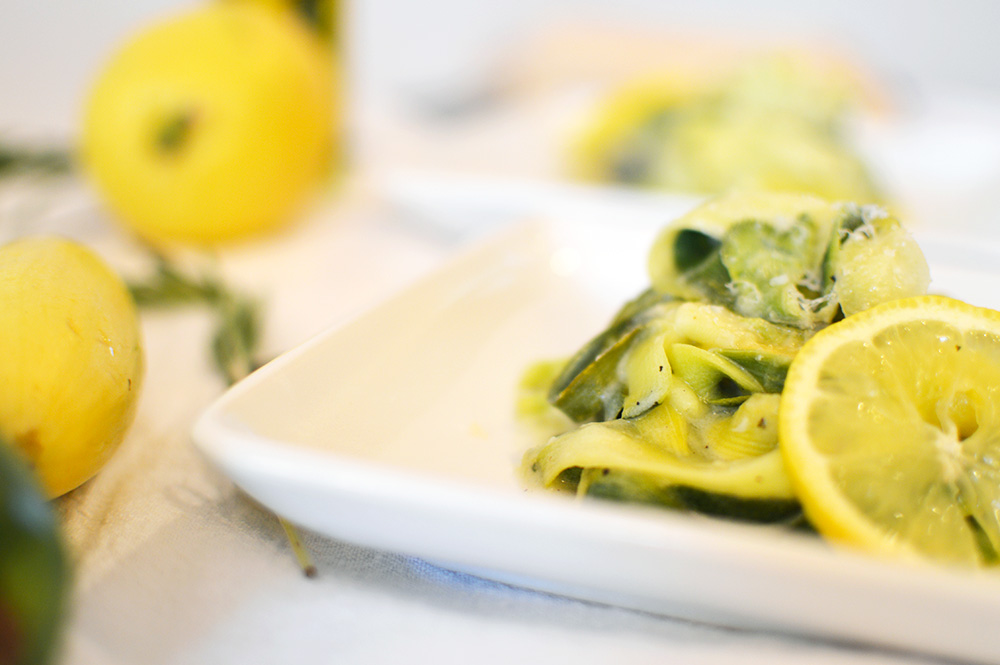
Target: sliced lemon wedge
890	430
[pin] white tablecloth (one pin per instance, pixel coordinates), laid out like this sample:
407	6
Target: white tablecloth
173	565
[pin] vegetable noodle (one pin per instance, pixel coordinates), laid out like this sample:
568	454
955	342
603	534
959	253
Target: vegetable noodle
675	402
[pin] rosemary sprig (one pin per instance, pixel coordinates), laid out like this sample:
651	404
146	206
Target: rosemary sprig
234	343
15	160
300	551
237	331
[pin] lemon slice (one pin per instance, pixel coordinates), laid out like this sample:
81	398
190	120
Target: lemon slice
890	430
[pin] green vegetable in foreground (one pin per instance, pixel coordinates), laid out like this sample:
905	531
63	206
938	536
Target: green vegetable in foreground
34	569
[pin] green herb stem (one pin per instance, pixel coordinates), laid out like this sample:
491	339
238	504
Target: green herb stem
234	342
16	160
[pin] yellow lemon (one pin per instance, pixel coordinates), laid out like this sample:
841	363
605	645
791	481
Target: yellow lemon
212	126
890	430
71	359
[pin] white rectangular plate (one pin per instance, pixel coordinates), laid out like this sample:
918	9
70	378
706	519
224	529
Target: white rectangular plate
397	432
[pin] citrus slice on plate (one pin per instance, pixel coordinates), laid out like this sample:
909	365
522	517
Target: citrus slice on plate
890	430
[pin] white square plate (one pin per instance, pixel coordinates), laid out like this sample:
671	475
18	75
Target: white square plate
397	432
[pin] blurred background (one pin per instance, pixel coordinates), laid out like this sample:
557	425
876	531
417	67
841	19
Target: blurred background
495	88
433	55
499	89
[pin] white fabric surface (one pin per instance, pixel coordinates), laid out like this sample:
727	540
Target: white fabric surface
175	566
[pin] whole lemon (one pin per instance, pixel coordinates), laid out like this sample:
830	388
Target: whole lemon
212	126
71	359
